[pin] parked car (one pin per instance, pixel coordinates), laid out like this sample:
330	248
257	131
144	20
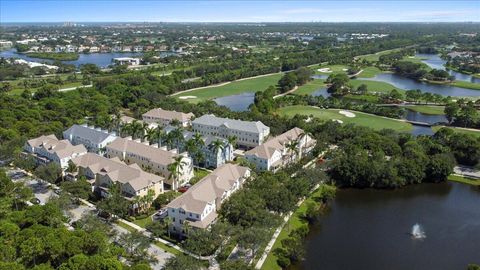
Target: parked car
35	201
163	213
104	215
183	189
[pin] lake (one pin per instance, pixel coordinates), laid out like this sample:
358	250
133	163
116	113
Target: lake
237	103
434	61
426	118
370	229
100	59
409	84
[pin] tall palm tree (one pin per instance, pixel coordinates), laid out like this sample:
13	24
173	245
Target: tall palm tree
124	130
150	135
232	140
168	222
217	146
117	121
177	136
175	123
175	168
159	135
292	148
135	129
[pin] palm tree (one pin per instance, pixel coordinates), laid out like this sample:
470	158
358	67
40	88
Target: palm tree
135	129
232	140
174	168
175	123
124	130
159	135
301	136
177	136
186	227
150	135
292	147
217	146
168	222
117	121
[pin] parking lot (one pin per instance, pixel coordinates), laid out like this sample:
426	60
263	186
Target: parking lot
41	190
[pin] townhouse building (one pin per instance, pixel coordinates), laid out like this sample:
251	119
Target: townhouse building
103	173
94	139
46	149
281	150
248	133
165	118
153	159
198	206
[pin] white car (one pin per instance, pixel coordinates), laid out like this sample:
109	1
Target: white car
160	214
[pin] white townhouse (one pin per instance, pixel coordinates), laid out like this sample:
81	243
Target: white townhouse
46	149
103	173
94	139
129	61
151	158
198	206
248	133
275	153
164	117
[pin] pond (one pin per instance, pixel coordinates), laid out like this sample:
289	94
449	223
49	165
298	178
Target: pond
99	59
237	103
434	61
371	229
409	84
426	118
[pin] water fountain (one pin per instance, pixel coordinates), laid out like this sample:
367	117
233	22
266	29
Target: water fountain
417	232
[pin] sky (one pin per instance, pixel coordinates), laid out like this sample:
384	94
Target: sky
238	11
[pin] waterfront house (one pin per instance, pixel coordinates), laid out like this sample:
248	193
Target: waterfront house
281	150
165	118
153	159
129	61
198	206
46	149
94	139
248	133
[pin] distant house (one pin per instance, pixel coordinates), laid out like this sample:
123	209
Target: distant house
129	61
152	158
46	149
94	139
275	153
248	133
94	49
199	205
138	48
165	118
103	173
70	49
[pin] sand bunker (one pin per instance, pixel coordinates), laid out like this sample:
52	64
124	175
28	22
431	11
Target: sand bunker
187	97
347	114
344	69
338	121
324	70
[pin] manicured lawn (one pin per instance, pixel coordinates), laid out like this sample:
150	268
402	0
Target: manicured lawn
333	68
198	174
464	180
369	72
310	87
233	88
432	110
362	119
374	56
469	85
167	248
365	98
144	222
19	91
125	226
459	130
374	86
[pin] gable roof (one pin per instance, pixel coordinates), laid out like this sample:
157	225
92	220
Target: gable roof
169	115
117	171
209	188
61	148
249	126
267	149
155	155
91	134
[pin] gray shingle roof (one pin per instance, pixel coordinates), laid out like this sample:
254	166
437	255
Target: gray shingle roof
249	126
88	133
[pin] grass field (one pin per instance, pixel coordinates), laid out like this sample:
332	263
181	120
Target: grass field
469	85
233	88
374	86
432	110
374	56
144	222
459	130
19	90
464	180
369	72
333	68
362	119
310	87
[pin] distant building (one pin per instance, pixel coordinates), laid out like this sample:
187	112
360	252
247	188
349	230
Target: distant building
126	61
249	134
46	149
94	139
5	44
151	158
94	49
275	153
164	117
199	205
103	173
